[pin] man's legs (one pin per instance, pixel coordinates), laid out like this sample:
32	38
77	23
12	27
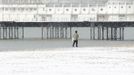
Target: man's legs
74	42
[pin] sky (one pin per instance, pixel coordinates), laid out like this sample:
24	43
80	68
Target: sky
56	1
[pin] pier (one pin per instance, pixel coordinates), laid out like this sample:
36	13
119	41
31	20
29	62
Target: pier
63	30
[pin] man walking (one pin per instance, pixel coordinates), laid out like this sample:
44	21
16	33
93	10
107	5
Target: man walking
75	38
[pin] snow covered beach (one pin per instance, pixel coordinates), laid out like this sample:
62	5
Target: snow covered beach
33	59
32	44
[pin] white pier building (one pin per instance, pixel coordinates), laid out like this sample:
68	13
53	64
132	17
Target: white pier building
66	10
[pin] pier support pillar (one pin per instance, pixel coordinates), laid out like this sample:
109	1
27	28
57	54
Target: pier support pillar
99	33
70	30
22	32
0	32
102	33
107	30
42	31
17	32
122	33
91	33
65	32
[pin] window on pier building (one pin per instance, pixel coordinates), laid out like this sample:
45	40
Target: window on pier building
11	9
109	3
67	9
49	9
67	5
3	9
48	17
74	17
34	9
31	9
92	19
75	9
122	17
75	5
49	5
101	9
27	9
58	5
58	9
14	9
93	9
44	9
21	9
84	9
129	6
6	9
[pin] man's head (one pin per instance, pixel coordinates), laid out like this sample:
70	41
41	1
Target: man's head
76	31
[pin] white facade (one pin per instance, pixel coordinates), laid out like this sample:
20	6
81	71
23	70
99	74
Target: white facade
112	10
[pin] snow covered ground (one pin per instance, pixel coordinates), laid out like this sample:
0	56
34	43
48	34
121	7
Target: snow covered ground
68	61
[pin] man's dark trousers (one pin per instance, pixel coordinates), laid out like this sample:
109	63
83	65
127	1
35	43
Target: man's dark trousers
75	42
